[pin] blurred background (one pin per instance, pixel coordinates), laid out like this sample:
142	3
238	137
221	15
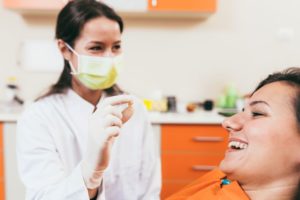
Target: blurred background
196	53
191	58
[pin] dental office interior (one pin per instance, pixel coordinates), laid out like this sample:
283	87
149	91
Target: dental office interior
192	64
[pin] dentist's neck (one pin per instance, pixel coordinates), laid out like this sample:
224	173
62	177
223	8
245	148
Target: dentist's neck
92	96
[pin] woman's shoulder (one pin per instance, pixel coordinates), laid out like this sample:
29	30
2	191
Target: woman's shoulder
42	107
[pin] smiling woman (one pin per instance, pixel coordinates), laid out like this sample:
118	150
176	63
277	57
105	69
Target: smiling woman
262	160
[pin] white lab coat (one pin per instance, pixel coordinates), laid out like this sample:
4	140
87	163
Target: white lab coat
52	136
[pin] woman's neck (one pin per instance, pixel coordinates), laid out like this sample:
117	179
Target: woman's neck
273	192
91	96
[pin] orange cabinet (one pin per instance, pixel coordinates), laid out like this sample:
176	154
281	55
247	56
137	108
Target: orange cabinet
2	185
133	7
189	151
208	6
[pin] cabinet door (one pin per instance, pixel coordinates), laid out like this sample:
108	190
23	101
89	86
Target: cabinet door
182	5
187	166
34	4
205	138
188	152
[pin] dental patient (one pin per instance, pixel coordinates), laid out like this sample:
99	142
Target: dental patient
262	161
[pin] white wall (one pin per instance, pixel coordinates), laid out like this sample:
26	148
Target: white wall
14	188
193	59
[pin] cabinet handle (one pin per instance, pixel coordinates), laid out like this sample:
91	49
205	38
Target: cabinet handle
154	3
208	139
203	167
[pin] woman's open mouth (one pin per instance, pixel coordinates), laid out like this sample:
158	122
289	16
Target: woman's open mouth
237	145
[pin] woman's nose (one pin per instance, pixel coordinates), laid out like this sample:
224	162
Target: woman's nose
108	53
234	123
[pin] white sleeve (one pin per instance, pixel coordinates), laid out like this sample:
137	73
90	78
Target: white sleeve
40	167
150	186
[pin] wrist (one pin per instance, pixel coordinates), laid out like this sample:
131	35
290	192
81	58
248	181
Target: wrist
91	177
93	181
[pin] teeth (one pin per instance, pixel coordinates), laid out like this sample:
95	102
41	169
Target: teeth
237	145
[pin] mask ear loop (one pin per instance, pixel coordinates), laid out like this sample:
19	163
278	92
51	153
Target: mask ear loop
73	71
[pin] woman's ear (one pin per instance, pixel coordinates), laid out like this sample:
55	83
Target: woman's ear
66	53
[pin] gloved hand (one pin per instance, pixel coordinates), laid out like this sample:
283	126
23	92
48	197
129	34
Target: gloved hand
104	126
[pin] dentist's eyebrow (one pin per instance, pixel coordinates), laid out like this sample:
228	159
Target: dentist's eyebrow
100	42
95	42
258	102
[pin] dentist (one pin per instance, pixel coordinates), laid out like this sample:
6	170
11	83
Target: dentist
86	139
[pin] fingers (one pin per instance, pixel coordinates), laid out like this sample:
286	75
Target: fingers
112	110
122	113
117	100
111	120
112	132
127	113
121	107
114	105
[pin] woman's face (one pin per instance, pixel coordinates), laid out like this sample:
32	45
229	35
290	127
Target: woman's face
99	37
264	139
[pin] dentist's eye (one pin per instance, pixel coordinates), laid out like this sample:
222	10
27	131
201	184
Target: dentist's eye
96	48
117	48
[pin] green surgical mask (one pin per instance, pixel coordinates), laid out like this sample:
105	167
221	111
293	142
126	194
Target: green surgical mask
96	72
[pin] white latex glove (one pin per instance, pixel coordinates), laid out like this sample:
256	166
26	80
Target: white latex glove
104	126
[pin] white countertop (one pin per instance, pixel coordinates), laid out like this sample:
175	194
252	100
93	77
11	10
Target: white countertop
199	117
10	113
9	117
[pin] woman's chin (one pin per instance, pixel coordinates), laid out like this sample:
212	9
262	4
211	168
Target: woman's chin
227	166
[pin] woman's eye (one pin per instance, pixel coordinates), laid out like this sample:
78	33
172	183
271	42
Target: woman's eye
117	47
256	114
96	48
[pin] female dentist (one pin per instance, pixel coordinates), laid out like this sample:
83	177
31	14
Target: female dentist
84	139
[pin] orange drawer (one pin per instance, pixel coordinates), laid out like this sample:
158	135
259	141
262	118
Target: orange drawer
2	189
187	166
194	138
1	165
170	187
183	5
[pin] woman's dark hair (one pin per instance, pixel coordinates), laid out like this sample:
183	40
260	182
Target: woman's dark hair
290	76
297	194
69	24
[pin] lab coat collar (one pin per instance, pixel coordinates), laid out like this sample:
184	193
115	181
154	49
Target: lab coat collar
77	103
103	95
79	111
80	103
